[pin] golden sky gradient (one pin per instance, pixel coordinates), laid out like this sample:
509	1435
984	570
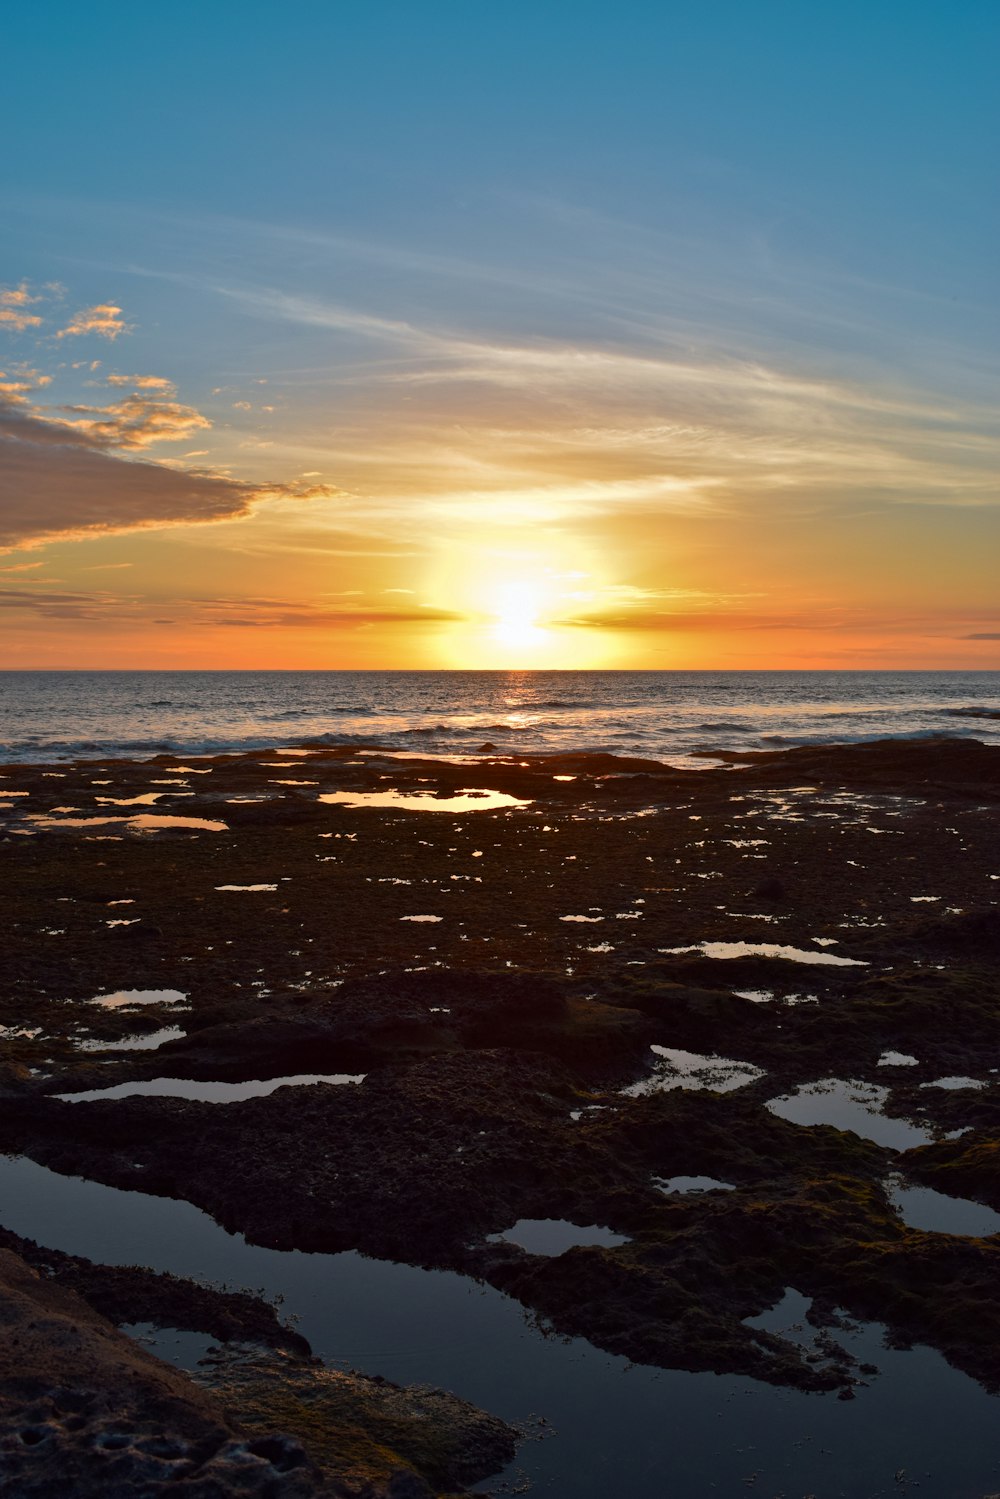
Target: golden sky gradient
540	504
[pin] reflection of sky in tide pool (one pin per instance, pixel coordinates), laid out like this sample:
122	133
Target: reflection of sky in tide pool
147	799
126	998
210	1092
425	801
676	1068
172	1344
855	1106
724	950
616	1428
141	822
552	1236
933	1212
149	1042
683	1185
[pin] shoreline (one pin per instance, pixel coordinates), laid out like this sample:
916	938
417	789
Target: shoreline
499	976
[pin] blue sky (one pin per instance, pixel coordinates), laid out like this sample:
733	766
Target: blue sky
623	278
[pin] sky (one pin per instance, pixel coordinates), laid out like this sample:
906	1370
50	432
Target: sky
557	333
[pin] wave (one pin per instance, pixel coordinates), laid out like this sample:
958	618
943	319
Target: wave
330	710
468	731
553	702
801	741
972	712
451	714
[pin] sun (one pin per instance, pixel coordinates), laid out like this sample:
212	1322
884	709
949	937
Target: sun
516	609
516	605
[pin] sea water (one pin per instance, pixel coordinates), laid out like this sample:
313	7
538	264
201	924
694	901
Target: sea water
63	715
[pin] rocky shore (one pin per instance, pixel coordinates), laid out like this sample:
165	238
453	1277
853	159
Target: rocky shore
566	983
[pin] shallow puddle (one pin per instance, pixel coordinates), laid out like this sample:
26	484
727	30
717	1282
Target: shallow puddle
955	1082
141	821
246	888
552	1236
211	1092
855	1106
420	801
174	1345
126	998
725	950
690	1069
685	1185
148	799
149	1042
934	1212
615	1428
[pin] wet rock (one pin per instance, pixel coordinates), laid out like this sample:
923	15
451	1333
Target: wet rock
444	1442
85	1411
129	1294
497	1040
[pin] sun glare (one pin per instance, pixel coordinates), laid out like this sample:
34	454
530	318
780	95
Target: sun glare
516	609
517	604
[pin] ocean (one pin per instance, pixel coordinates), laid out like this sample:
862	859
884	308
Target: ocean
666	715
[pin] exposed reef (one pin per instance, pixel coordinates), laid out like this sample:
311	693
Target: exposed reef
554	1006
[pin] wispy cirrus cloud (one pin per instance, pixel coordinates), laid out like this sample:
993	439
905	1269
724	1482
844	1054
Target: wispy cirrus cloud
596	419
225	611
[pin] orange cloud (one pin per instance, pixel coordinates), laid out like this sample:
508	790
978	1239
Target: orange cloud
138	422
57	481
17	296
13	301
226	612
104	319
142	382
15	385
14	317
